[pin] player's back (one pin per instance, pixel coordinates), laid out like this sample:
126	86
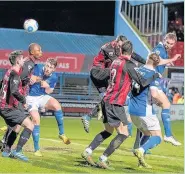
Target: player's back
108	53
140	100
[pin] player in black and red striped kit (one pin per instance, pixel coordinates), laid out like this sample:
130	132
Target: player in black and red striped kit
11	95
35	53
100	71
114	116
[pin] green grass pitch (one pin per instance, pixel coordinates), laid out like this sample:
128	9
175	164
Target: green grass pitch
61	158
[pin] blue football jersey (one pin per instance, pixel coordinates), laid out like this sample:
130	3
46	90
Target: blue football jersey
140	103
161	51
36	89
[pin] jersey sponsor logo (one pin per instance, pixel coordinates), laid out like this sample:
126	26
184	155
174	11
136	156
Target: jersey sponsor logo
157	52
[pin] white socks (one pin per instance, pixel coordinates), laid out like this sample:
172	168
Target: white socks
89	151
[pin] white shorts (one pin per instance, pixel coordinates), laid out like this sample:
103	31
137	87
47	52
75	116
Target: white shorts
37	102
147	123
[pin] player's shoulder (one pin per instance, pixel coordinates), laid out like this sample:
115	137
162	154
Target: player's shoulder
29	64
54	76
159	48
39	66
130	63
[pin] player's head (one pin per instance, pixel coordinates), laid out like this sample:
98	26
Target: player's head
120	40
170	40
127	49
16	58
50	66
35	50
153	59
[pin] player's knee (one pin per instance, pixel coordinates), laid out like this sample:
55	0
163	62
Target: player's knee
28	124
31	126
56	105
36	121
105	134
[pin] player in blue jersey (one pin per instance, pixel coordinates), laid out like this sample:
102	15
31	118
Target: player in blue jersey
142	112
162	50
39	98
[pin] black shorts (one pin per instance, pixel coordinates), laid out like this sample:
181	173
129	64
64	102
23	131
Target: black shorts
100	78
13	117
113	114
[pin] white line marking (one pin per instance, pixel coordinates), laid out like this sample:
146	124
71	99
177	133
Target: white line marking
101	148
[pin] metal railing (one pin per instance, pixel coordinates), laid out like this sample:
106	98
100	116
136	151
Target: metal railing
147	18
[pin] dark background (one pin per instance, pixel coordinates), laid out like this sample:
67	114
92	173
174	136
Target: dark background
90	17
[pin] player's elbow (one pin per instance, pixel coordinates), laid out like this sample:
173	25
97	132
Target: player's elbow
49	90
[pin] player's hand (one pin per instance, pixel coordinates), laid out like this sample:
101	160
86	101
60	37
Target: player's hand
34	79
170	64
44	84
25	106
177	56
160	76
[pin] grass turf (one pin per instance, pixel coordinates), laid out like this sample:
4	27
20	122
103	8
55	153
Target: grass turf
61	158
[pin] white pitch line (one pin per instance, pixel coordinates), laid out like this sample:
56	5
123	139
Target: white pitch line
101	148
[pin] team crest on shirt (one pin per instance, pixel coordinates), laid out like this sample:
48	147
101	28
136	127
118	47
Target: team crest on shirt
29	67
15	81
156	83
111	54
157	52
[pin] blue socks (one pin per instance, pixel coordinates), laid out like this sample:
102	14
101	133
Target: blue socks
130	128
59	118
151	143
166	122
36	136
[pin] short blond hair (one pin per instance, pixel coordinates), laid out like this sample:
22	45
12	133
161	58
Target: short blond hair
52	61
171	36
153	59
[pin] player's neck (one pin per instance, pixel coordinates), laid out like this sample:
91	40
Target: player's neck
16	68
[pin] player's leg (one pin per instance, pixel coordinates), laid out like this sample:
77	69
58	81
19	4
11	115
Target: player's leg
24	137
33	106
122	135
36	131
129	125
14	119
150	127
8	140
86	118
10	135
99	78
99	138
165	115
116	118
54	105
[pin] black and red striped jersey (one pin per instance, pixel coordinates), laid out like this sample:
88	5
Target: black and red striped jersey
11	91
123	71
107	54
